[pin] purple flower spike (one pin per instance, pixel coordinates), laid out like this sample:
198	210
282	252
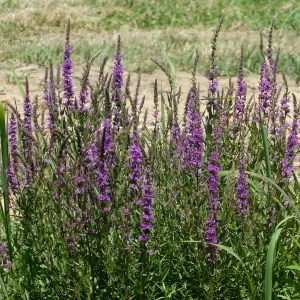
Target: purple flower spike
214	203
147	217
5	263
27	140
84	94
67	70
287	164
13	146
194	138
136	159
117	75
242	190
239	107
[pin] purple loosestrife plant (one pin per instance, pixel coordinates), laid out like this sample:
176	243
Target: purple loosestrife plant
67	70
242	190
287	164
240	99
84	94
214	203
4	258
136	159
213	190
267	85
176	140
194	137
27	136
14	152
214	83
102	172
147	216
117	81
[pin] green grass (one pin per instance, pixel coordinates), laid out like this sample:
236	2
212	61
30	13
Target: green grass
29	31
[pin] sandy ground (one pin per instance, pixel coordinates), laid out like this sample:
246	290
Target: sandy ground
9	91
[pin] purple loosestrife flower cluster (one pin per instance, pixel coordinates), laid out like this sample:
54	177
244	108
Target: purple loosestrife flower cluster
126	228
117	75
287	164
102	172
27	123
265	89
194	137
176	140
67	70
13	146
147	217
79	182
239	107
27	140
283	113
214	203
109	145
242	190
284	108
84	94
83	98
136	159
212	88
267	86
4	259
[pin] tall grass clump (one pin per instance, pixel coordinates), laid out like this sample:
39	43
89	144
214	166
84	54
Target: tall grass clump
100	203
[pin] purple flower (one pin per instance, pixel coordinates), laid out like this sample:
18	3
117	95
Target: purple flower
84	94
147	217
176	140
109	145
5	263
67	70
136	159
214	203
117	74
102	172
27	140
240	99
267	87
13	146
27	124
194	138
242	190
212	88
290	152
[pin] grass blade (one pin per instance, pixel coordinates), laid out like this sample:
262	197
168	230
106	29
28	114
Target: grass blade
271	254
18	83
269	264
4	181
294	267
3	288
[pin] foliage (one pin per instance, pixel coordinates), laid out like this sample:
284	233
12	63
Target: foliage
100	202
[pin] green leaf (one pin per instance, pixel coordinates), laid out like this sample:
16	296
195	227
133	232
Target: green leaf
172	67
3	287
283	193
269	264
4	180
20	87
163	115
266	153
294	267
271	259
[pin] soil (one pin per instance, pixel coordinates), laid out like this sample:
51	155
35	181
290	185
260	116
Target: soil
9	91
